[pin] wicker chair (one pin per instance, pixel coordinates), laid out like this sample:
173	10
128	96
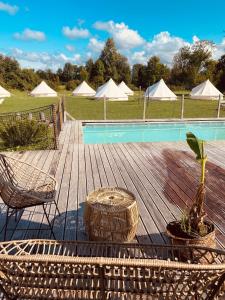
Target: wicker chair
48	269
23	186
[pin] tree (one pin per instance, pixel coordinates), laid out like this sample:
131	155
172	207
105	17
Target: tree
115	65
109	57
155	70
83	74
89	67
69	72
138	71
12	76
220	74
50	77
97	74
190	64
72	84
123	69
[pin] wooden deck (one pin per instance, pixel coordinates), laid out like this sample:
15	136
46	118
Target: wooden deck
163	177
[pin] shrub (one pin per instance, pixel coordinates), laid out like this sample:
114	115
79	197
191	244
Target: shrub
72	84
23	133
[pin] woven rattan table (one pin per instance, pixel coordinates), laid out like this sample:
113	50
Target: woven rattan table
111	214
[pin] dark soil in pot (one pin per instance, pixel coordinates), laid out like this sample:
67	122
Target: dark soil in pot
179	237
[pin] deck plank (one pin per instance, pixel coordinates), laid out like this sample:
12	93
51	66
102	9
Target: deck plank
162	176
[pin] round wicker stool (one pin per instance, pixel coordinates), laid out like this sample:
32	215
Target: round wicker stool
111	214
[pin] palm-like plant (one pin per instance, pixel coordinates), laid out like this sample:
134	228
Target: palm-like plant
195	218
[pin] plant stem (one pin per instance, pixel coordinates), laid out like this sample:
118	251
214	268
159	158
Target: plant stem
203	163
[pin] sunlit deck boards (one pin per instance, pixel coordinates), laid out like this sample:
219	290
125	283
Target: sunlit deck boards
163	177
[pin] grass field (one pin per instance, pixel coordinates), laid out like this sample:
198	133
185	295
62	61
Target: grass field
88	109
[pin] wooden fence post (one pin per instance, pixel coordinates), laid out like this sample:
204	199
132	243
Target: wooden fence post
182	107
60	114
144	110
55	129
64	107
139	98
219	105
104	108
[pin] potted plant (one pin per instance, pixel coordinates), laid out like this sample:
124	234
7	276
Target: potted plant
193	229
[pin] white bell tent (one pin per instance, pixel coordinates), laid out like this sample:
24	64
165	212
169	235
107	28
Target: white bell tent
206	91
43	90
4	93
159	91
125	88
110	91
84	90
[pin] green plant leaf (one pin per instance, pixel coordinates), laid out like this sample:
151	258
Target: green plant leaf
196	145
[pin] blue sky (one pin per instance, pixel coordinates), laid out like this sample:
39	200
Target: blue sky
48	33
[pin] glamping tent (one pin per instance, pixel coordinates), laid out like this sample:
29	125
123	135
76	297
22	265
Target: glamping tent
83	90
43	90
4	93
125	88
110	91
206	91
159	91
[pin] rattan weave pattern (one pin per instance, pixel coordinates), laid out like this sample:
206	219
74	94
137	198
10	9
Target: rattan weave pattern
111	214
47	269
22	184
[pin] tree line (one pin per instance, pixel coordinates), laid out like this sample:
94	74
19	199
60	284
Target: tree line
191	65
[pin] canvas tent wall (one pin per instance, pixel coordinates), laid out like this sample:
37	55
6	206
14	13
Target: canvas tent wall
83	90
110	91
4	93
159	91
43	90
125	88
206	91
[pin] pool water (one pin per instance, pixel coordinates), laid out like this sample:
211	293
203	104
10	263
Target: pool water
151	132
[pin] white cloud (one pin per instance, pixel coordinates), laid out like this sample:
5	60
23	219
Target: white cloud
75	33
219	49
70	48
138	57
10	9
95	45
44	60
165	46
28	35
195	39
125	38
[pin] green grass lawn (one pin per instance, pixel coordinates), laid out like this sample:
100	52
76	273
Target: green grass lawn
21	101
89	109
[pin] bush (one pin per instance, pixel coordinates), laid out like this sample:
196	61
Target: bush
72	84
23	133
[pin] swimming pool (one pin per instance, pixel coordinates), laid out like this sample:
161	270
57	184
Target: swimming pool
97	133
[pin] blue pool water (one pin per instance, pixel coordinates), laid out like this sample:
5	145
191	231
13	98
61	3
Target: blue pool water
151	132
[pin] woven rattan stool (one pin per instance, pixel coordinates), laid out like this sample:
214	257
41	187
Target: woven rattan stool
111	214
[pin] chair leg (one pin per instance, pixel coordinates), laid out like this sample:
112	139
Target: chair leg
56	205
6	222
49	223
16	215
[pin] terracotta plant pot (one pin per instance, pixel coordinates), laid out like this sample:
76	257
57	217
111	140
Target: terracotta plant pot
209	240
